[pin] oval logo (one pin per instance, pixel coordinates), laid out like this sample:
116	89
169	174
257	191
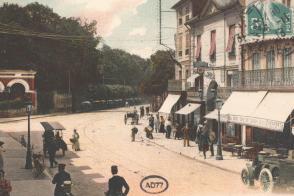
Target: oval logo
154	184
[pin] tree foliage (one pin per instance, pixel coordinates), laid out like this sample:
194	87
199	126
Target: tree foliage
37	38
162	70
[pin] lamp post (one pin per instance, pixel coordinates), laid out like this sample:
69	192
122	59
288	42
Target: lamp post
219	155
29	153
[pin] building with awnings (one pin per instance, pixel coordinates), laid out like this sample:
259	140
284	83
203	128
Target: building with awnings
207	49
257	116
169	104
260	109
191	111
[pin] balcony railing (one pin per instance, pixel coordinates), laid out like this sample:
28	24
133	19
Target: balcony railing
177	85
264	79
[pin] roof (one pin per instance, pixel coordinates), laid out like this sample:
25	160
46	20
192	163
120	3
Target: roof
179	3
50	126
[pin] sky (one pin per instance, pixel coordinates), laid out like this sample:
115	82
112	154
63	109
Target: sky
131	25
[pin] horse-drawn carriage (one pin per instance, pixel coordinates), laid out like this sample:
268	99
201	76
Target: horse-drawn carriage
271	171
134	116
51	139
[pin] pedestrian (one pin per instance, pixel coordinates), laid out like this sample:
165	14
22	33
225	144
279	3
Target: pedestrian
75	141
148	131
199	137
204	142
210	137
141	111
59	180
2	150
168	126
23	141
186	130
134	132
151	121
156	123
127	104
161	126
116	184
147	110
5	186
52	148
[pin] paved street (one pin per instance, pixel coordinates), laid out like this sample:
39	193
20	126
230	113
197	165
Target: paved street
105	141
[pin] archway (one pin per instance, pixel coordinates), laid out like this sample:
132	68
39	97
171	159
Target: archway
20	81
17	91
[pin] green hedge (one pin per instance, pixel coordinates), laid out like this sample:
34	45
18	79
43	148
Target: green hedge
11	104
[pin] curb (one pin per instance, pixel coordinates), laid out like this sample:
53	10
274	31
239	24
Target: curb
198	160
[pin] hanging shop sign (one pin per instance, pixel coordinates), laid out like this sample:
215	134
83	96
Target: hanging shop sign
265	18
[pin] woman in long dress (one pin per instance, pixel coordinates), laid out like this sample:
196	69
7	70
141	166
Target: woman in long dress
76	143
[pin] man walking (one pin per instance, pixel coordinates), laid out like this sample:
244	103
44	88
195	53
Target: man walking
168	126
151	121
116	184
134	132
186	135
59	180
52	152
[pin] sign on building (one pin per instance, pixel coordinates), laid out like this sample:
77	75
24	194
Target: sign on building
268	18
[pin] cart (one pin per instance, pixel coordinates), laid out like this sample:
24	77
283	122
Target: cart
271	171
50	136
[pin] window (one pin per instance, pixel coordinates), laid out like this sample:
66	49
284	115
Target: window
270	59
187	17
188	43
287	57
180	21
287	3
180	75
256	61
212	50
187	73
231	48
198	48
180	44
187	10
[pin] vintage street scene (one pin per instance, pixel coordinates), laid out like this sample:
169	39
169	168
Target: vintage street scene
146	97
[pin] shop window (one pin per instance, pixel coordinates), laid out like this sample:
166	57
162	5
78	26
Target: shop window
231	130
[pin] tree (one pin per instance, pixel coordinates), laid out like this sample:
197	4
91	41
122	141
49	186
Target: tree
162	70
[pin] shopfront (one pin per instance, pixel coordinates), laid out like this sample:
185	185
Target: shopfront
258	116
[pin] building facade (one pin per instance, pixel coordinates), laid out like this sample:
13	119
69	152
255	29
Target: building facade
260	108
208	52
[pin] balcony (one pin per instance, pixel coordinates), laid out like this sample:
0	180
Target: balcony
266	79
177	85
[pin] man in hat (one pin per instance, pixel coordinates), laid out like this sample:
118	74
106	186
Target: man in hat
186	131
116	184
59	180
2	150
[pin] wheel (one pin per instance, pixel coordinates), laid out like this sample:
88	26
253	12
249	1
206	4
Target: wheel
266	180
245	177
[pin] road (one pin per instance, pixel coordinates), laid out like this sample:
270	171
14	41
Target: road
105	141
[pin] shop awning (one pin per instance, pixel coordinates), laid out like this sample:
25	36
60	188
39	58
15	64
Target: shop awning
168	104
239	104
274	110
188	109
191	79
262	109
